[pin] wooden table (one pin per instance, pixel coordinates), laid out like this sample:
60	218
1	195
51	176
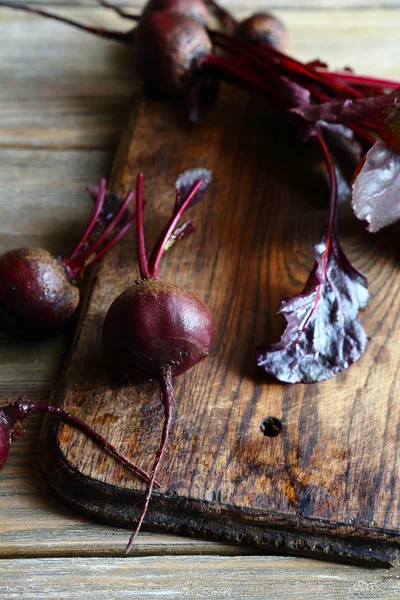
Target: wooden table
64	99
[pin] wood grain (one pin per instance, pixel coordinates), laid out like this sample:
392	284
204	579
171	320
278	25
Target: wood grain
334	469
192	578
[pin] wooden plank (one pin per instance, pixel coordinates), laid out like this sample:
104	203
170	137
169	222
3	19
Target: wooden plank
193	578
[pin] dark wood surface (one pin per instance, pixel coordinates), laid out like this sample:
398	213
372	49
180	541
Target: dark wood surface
329	483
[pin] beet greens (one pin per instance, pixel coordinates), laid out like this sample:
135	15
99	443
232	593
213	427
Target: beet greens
376	188
323	335
156	330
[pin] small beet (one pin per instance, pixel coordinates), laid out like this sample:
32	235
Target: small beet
168	51
195	9
263	28
36	296
155	325
155	329
38	293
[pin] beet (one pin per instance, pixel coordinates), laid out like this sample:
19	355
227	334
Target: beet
168	51
155	325
36	296
195	9
155	329
263	28
38	292
12	415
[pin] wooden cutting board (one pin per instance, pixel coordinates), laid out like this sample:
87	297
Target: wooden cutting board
328	484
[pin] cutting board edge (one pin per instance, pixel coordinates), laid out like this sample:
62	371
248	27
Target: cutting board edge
293	535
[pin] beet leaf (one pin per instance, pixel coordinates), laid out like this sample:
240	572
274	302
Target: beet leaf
323	335
185	183
376	191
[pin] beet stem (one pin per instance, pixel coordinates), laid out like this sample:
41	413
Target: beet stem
119	235
361	80
24	408
159	248
94	216
79	262
167	399
140	241
333	185
119	11
99	31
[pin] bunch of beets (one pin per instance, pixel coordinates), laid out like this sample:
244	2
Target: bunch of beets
157	330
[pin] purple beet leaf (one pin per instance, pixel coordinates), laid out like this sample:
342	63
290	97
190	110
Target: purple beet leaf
323	335
376	191
187	180
348	111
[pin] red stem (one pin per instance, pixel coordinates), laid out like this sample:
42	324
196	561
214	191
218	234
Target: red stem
333	185
286	64
65	416
167	400
118	236
79	262
331	217
362	80
99	31
159	248
141	247
244	74
93	218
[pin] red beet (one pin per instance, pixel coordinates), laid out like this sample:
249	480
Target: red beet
195	9
155	325
38	294
263	28
168	51
155	329
15	413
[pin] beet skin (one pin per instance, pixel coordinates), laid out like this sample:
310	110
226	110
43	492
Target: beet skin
156	325
36	296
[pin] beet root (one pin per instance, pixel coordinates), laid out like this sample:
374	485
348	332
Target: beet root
263	28
195	9
155	326
168	51
36	296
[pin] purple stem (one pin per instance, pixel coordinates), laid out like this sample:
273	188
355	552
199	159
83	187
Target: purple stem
79	261
159	248
118	236
94	216
21	409
333	185
167	399
141	247
99	31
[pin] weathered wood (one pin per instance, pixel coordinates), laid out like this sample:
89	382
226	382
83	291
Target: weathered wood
189	578
322	479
